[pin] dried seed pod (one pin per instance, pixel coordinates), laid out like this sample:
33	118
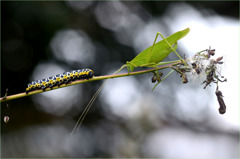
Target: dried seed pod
184	78
211	52
154	78
157	77
222	108
218	60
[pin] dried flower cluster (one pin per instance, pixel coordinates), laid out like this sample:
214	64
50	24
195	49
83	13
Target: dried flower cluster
210	68
201	65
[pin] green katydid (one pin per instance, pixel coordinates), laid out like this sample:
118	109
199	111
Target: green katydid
150	57
154	54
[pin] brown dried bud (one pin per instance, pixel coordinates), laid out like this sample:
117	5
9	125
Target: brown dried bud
211	52
184	78
154	79
222	108
157	77
219	59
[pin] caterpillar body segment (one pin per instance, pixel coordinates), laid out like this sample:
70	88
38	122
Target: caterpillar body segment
38	84
52	81
74	75
59	79
66	77
31	86
44	84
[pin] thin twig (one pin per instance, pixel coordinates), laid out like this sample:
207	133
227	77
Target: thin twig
95	78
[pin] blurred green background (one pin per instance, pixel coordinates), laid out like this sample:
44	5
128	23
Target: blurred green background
42	39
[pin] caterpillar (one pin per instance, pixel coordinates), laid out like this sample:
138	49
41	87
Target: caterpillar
59	79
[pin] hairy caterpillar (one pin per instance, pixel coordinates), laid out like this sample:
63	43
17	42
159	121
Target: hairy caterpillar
59	79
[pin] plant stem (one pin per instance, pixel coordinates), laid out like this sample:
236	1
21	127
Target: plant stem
95	78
